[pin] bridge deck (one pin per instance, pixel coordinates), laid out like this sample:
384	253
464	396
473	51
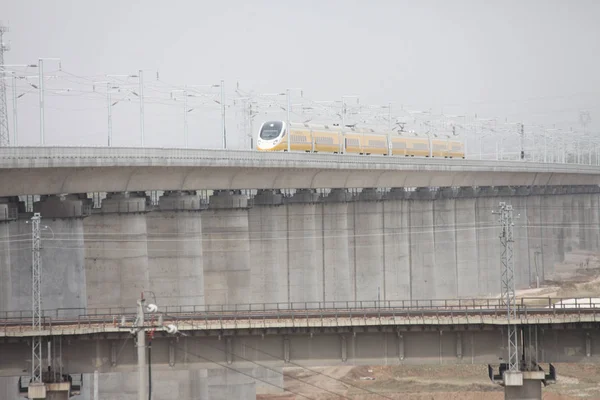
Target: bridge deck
53	170
202	318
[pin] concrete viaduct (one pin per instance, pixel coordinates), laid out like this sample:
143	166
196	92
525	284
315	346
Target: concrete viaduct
383	229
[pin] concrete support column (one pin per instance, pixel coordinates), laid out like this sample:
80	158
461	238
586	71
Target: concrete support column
305	263
336	264
422	250
467	267
553	252
63	252
444	236
268	248
116	255
576	215
369	242
9	275
594	218
530	390
397	251
175	250
488	244
226	249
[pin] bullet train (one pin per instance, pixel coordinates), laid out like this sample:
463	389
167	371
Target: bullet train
273	136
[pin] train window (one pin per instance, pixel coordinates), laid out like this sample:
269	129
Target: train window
270	130
420	146
399	145
376	143
439	147
323	140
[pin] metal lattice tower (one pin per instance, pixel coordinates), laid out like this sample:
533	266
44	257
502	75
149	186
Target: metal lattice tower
508	283
36	299
4	134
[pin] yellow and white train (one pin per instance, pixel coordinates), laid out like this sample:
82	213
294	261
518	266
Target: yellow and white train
273	136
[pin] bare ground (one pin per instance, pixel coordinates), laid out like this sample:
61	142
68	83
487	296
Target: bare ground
441	382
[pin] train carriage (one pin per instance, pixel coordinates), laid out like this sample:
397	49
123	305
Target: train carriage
273	136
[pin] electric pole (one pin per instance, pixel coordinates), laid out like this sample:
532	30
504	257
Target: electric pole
223	128
4	134
141	352
36	299
522	141
508	283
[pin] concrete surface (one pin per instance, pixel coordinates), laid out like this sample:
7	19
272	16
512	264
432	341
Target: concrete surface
116	252
56	170
392	245
175	260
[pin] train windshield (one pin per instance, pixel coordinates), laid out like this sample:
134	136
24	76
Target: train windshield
271	130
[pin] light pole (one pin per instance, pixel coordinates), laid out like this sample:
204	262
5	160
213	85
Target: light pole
140	95
343	113
109	105
344	107
185	111
289	110
15	97
185	93
141	82
223	128
41	89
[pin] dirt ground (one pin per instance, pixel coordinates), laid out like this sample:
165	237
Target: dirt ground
579	276
443	382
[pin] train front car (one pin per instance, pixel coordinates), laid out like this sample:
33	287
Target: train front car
271	136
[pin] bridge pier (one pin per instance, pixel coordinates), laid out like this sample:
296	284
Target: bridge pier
63	269
466	242
116	251
267	225
305	261
9	282
225	247
422	244
175	264
526	385
397	249
369	244
337	284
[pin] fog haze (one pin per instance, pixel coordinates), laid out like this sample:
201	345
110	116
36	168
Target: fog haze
529	61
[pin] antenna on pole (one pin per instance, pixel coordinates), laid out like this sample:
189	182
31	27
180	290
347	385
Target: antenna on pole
4	133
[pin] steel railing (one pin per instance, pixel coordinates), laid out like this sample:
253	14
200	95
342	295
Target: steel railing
367	308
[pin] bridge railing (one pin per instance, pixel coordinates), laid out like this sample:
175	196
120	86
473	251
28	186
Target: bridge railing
443	305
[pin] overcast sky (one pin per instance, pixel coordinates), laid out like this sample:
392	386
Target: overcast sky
531	61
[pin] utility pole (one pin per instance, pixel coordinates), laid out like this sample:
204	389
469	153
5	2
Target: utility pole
141	352
41	90
109	106
508	282
4	133
36	299
288	128
223	128
141	81
184	93
15	118
522	141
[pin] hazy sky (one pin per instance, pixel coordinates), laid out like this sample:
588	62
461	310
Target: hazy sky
531	61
